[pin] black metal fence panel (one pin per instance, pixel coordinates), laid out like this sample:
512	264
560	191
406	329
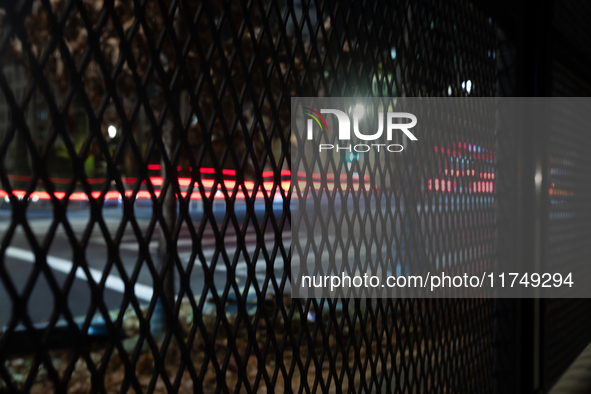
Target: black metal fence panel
567	325
145	170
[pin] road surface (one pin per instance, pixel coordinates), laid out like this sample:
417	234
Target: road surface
19	260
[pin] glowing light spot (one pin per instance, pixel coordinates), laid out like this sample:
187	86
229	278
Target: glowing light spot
359	111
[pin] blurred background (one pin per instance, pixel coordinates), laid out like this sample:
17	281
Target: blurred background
145	186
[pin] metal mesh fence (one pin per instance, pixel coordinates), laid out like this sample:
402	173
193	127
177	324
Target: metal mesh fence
145	172
567	326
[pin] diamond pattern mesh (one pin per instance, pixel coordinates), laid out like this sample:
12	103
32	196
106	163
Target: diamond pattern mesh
159	130
567	329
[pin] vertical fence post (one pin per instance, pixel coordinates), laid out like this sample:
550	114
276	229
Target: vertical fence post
534	70
524	70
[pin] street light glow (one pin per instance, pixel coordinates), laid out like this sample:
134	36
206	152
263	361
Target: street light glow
112	130
359	111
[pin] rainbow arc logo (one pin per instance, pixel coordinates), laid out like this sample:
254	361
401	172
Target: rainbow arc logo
317	117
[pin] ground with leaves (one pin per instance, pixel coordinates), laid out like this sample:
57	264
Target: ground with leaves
311	365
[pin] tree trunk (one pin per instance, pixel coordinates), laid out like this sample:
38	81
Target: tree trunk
166	253
165	263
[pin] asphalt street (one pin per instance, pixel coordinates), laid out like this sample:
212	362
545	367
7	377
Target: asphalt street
19	260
